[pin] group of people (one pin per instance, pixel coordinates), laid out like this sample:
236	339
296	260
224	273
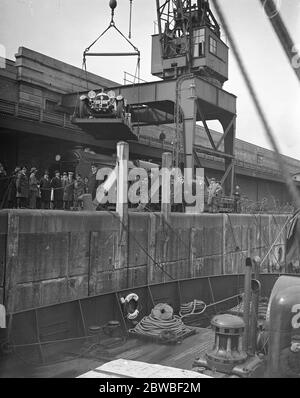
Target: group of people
215	194
64	191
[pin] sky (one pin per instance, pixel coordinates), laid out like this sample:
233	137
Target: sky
62	29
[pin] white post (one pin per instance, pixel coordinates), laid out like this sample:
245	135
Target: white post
122	202
167	162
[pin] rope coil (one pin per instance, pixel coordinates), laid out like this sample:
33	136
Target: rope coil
195	307
162	324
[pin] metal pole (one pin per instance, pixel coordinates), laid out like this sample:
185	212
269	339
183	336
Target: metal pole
247	301
111	54
255	304
282	33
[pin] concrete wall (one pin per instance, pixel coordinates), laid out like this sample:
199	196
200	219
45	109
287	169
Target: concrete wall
51	257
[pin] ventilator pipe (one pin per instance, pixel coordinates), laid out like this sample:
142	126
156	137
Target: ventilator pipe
247	301
256	288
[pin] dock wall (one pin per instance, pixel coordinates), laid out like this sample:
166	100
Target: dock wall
48	257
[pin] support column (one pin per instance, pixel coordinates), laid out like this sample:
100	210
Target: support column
188	105
167	163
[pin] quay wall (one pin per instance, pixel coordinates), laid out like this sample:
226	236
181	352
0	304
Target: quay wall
48	257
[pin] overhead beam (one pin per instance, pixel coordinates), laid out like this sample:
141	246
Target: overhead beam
165	91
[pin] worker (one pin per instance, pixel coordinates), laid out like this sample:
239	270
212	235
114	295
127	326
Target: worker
217	197
237	199
78	192
215	192
211	190
92	181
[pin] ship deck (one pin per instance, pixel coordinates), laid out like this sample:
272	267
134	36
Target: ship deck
74	364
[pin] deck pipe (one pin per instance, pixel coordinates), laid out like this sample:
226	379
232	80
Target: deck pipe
256	288
247	301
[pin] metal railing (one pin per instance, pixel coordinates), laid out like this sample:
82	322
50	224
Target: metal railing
35	113
135	80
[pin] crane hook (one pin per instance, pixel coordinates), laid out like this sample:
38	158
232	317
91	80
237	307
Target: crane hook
113	5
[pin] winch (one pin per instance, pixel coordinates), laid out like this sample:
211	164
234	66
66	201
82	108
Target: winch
227	351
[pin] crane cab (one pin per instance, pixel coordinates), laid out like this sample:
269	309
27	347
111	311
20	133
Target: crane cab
189	40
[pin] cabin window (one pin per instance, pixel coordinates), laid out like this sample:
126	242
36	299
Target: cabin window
50	106
212	45
260	159
199	43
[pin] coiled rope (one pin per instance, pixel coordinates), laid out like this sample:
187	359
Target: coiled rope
195	307
161	324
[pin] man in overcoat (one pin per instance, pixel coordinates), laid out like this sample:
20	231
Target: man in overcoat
22	185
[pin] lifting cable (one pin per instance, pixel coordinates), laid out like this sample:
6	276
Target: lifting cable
87	53
112	24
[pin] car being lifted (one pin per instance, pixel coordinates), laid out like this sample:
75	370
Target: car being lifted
101	105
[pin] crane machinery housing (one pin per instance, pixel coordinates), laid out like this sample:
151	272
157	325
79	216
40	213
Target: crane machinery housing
188	41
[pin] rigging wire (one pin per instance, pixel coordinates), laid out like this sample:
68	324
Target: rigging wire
267	128
140	246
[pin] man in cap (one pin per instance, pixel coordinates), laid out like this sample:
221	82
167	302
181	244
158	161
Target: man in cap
211	192
45	185
93	183
56	185
12	189
237	199
22	185
68	196
33	188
